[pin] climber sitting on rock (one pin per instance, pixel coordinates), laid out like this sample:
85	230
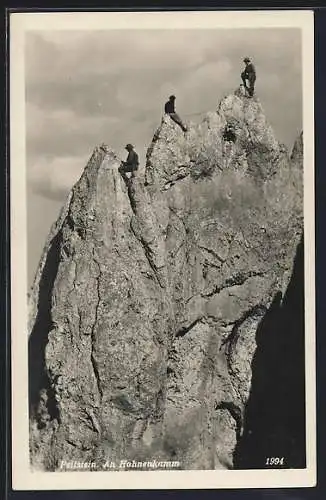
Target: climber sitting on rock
249	74
169	109
131	164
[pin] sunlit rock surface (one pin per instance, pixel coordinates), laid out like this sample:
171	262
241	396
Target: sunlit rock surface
148	297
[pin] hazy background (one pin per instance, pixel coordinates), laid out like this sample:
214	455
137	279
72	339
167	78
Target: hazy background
88	87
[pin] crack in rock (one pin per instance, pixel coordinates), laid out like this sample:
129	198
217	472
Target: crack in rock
236	280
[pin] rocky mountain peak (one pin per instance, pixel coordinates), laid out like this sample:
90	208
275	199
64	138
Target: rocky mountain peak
149	294
207	148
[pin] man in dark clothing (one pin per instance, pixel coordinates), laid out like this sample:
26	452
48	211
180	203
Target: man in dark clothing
169	109
249	74
131	164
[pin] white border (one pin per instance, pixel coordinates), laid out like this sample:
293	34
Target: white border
22	477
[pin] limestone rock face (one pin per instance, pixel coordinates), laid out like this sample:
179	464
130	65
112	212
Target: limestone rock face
147	300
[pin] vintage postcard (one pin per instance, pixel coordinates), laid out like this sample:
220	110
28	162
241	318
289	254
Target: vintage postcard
162	250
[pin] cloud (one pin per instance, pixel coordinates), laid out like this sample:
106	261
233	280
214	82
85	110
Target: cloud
126	69
53	178
63	132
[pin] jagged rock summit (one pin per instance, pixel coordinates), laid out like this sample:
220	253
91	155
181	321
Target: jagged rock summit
148	296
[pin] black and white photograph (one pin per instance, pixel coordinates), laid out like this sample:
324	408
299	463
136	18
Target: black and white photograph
162	226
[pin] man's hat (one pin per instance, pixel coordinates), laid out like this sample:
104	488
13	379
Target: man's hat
172	97
246	59
129	146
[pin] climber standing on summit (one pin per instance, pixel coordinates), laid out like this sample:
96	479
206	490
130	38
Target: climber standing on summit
169	109
249	74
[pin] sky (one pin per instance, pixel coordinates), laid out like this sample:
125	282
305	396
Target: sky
84	88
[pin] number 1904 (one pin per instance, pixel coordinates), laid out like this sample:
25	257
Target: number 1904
275	461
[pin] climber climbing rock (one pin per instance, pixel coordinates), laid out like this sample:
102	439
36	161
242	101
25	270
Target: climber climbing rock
169	109
249	74
131	164
229	133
